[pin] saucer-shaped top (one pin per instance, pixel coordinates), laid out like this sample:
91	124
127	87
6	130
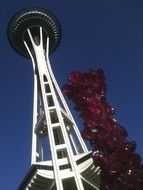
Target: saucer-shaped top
33	18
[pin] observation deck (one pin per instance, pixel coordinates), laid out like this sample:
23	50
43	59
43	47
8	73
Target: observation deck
33	19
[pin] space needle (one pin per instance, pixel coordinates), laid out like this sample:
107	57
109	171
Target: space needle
60	159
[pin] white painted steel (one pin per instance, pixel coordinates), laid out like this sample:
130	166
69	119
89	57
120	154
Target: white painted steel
35	101
42	68
40	59
65	106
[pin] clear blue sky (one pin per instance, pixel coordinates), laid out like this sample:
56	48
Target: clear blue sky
96	33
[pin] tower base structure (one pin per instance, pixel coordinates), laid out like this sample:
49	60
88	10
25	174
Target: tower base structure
41	176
